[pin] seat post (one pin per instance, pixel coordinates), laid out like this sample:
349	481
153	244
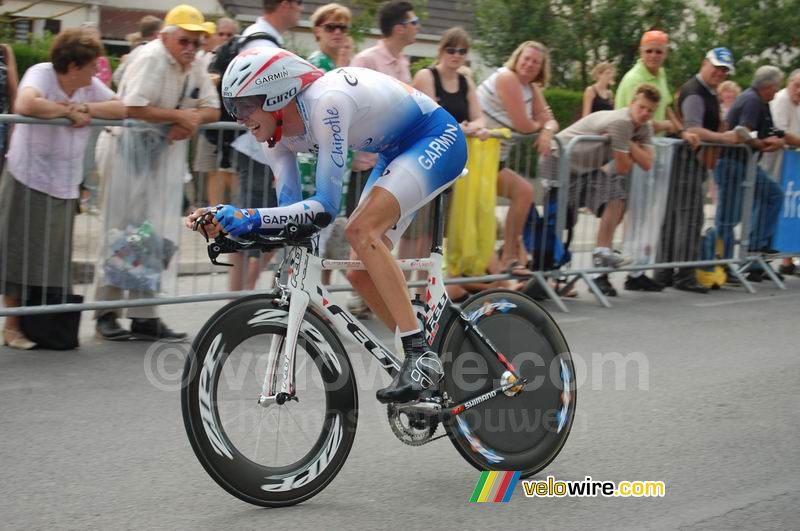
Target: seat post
437	234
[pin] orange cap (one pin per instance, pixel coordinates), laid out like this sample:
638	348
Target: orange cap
654	37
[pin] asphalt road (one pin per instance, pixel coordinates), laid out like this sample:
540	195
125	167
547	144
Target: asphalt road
89	441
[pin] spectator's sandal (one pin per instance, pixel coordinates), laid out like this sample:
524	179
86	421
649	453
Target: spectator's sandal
518	270
17	340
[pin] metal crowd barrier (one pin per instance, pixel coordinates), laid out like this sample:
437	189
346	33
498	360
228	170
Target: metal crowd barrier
572	211
679	210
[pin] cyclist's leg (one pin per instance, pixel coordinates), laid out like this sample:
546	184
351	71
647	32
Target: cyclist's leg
361	280
391	198
425	167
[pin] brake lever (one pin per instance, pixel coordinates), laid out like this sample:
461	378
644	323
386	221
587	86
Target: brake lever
201	222
220	246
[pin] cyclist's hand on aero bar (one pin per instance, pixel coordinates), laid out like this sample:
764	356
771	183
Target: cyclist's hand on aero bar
237	221
203	216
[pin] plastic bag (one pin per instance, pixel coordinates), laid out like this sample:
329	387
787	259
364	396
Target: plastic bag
647	203
142	215
471	222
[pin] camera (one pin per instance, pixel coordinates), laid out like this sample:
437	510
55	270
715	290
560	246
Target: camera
774	131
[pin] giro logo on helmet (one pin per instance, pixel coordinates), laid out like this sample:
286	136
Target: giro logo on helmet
289	94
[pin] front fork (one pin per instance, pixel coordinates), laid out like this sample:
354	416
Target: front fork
277	390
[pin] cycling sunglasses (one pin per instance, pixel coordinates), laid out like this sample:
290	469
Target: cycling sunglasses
242	108
331	27
460	51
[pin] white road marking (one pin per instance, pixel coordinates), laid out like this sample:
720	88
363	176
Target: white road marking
749	299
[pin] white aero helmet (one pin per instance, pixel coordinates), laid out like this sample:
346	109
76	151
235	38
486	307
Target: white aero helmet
268	77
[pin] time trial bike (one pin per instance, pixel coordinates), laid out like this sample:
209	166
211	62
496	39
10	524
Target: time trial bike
270	401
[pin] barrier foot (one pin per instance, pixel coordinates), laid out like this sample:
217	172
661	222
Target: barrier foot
551	293
595	290
743	281
771	273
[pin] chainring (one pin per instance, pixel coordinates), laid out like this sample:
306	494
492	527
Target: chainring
416	434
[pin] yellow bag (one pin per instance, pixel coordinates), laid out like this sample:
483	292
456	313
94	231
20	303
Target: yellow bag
471	223
713	276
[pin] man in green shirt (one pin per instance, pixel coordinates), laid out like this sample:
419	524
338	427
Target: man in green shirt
649	69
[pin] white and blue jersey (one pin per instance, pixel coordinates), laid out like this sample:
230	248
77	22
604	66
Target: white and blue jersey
420	146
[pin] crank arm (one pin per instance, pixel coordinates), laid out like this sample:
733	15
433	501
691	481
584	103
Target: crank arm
480	399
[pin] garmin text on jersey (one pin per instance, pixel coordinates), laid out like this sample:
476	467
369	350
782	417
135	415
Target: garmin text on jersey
439	146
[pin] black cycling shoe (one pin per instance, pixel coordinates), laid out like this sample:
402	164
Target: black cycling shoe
418	377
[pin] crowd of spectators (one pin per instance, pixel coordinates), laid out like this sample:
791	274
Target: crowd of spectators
168	81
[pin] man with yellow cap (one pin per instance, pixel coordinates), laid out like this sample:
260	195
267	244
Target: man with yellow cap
165	86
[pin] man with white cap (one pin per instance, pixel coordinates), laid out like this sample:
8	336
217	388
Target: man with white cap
162	85
700	112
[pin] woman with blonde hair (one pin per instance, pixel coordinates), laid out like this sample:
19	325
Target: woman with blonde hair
727	92
513	97
598	96
331	24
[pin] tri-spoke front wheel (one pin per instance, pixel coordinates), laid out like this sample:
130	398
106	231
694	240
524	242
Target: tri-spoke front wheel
268	454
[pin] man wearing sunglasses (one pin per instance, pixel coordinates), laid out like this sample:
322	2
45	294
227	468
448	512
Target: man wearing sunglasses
289	105
653	47
165	86
399	26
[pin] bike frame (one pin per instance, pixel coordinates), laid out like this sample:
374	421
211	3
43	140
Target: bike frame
303	289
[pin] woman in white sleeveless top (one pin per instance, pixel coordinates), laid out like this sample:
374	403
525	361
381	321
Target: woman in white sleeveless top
512	97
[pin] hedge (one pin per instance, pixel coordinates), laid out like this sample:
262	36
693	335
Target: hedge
566	105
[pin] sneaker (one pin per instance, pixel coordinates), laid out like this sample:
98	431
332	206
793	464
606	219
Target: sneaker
690	284
787	269
758	275
755	275
605	286
610	259
766	250
642	283
731	279
419	376
665	277
154	330
109	329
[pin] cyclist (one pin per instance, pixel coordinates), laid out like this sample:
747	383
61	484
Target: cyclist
293	107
